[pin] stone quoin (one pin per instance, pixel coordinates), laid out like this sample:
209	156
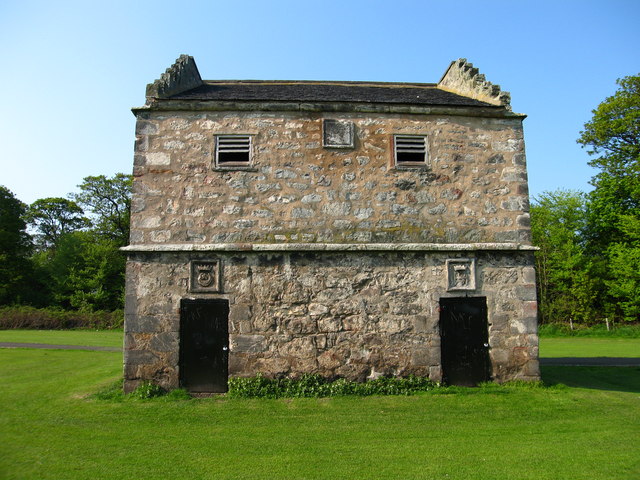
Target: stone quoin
347	229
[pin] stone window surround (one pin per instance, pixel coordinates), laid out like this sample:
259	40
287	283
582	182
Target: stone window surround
409	165
239	165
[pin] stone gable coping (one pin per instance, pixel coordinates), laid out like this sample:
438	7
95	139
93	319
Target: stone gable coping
464	79
462	91
329	247
183	75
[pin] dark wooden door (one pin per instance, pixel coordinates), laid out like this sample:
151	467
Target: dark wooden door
464	341
204	345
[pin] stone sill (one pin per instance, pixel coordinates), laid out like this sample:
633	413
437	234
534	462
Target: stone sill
235	168
330	247
411	166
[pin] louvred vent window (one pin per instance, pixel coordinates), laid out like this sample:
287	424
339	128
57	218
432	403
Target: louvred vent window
410	150
233	150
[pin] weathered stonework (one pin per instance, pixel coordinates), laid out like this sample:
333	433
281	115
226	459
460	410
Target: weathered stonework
348	314
333	258
463	78
473	191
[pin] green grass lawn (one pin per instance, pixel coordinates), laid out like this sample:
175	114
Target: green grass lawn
50	429
589	347
91	338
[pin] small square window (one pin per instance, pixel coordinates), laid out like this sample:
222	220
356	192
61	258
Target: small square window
410	151
233	151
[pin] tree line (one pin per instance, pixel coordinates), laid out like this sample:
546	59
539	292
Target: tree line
64	252
588	265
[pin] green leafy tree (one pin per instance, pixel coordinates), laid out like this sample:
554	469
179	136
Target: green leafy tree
109	201
54	217
86	272
622	270
79	258
16	272
564	287
612	138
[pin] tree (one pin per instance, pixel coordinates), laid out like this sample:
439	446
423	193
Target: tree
614	131
612	137
109	201
98	282
85	272
15	247
53	218
78	264
623	281
557	224
79	258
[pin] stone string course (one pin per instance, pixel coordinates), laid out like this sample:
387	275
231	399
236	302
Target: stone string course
328	247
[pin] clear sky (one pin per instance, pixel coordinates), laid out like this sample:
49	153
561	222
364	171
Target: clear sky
71	70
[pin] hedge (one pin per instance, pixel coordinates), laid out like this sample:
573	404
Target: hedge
54	319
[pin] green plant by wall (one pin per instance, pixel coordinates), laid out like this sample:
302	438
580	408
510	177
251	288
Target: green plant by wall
317	386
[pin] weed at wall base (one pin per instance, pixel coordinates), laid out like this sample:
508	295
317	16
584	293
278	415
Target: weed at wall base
317	386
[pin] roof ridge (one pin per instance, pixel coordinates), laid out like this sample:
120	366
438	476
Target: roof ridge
324	82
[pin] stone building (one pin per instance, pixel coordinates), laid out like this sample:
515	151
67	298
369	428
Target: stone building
350	229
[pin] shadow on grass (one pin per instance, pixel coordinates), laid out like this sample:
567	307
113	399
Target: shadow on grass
620	379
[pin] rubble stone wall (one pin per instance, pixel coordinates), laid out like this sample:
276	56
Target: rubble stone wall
343	314
474	189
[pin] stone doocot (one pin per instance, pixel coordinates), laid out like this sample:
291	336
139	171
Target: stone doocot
328	258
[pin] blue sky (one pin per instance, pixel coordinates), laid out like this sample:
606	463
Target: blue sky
71	70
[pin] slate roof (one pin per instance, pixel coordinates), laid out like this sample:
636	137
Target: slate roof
314	91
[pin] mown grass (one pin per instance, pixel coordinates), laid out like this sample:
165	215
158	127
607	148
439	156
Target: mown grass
622	379
53	427
91	338
589	347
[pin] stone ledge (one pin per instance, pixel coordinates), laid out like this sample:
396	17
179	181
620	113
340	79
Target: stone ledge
240	106
330	247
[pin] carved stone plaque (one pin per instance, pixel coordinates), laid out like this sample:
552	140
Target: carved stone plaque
461	274
338	134
205	276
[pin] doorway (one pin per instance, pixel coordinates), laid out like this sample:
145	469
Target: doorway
204	345
464	341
